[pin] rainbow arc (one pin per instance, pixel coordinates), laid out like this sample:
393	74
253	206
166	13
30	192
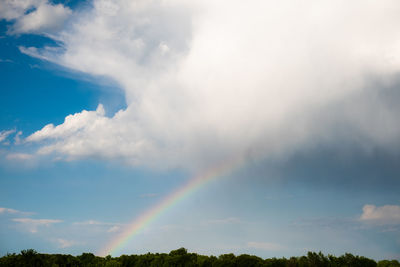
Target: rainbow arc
166	203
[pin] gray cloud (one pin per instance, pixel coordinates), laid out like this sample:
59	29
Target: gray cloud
202	85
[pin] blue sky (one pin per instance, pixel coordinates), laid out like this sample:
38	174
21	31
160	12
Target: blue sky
108	107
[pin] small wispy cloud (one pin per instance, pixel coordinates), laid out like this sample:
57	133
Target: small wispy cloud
383	215
148	195
323	222
4	134
109	227
34	66
268	246
114	229
13	211
6	60
228	220
6	210
32	225
89	222
19	156
17	138
94	222
63	243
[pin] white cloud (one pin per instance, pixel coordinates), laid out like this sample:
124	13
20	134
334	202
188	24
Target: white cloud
17	138
13	9
6	60
105	226
6	210
94	222
229	220
265	246
114	229
202	85
19	156
89	222
72	125
5	134
34	16
13	211
45	18
148	195
65	243
32	225
384	215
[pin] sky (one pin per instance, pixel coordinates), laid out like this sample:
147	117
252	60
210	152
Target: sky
259	127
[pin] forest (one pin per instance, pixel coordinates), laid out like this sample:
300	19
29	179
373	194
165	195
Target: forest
181	257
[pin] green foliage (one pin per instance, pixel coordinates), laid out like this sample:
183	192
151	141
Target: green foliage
180	258
386	263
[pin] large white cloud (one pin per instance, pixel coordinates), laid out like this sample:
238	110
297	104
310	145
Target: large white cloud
205	80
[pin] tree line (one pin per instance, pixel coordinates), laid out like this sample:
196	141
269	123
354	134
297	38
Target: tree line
181	257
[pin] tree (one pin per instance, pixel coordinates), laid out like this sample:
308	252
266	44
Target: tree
387	263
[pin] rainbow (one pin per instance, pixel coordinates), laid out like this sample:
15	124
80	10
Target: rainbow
169	201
